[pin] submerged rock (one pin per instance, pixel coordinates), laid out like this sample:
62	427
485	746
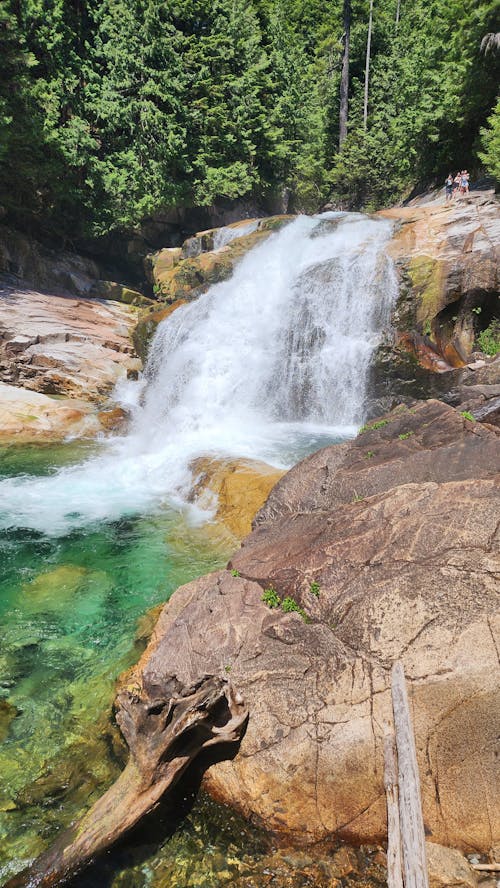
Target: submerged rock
237	487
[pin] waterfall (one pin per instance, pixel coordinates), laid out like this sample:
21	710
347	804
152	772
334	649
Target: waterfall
224	236
268	365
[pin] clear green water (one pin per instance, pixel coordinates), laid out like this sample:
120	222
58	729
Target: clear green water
70	610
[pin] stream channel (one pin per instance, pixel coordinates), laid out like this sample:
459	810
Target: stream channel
269	365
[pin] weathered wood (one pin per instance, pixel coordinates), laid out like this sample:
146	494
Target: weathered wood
394	861
410	803
486	867
164	736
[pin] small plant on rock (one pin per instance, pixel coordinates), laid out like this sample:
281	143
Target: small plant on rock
373	426
289	605
369	454
314	589
235	573
405	436
467	415
489	339
271	597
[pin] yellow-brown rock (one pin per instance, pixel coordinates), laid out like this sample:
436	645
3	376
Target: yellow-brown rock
240	487
114	419
28	417
448	257
148	324
175	277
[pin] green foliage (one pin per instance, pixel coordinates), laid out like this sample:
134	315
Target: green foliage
369	454
289	605
489	339
467	415
235	573
314	589
112	111
490	139
271	597
373	426
405	435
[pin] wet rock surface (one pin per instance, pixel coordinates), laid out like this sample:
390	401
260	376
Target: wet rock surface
389	545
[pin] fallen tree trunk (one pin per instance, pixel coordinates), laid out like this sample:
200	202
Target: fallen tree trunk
164	736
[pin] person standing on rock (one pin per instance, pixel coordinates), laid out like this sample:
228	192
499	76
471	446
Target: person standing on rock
456	185
449	187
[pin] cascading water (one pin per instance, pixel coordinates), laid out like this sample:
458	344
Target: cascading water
268	365
224	236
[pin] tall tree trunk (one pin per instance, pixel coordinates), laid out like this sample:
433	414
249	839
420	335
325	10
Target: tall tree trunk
367	66
398	12
344	80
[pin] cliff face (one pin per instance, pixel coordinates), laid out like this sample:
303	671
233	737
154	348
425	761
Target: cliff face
447	256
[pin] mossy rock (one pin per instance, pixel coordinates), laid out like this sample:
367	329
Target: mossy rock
186	278
145	329
118	293
428	278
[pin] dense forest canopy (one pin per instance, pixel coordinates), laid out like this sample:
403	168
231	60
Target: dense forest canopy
113	110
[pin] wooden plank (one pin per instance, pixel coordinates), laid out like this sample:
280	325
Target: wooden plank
410	803
394	861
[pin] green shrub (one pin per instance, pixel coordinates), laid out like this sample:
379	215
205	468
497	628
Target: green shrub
373	426
314	588
289	605
489	339
235	573
271	597
467	415
405	436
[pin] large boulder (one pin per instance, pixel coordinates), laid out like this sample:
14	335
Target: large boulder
235	489
382	549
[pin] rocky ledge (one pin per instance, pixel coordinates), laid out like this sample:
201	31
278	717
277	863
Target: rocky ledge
59	360
382	549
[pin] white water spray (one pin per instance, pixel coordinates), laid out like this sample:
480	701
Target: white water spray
268	365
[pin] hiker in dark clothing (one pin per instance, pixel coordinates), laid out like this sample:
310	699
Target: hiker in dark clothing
449	187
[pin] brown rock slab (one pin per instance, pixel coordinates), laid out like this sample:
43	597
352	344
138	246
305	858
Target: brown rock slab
28	417
406	569
60	345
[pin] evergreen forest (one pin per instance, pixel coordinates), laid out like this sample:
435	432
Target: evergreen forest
113	110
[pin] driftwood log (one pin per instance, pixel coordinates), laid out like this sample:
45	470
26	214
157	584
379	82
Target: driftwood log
164	736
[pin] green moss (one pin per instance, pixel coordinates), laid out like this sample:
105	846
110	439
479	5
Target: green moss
426	276
373	426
